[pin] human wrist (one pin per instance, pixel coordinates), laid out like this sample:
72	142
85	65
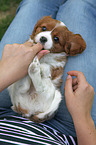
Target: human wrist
84	123
82	118
85	130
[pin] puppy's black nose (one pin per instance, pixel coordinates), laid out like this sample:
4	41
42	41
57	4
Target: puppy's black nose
43	39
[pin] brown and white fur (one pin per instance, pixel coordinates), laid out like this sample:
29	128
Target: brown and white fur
37	96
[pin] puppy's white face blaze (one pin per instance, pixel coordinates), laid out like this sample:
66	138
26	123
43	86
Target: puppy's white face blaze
49	43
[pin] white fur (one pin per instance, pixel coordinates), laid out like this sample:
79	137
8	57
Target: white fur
62	24
46	34
57	25
30	40
48	98
51	59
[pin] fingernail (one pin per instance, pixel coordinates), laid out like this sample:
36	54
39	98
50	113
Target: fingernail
68	77
46	52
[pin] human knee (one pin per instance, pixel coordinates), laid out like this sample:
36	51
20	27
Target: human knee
90	2
28	2
32	2
76	4
82	4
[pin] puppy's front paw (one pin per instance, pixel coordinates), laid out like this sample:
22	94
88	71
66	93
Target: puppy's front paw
45	71
34	66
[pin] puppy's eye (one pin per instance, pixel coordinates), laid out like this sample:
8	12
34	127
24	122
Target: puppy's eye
44	28
56	39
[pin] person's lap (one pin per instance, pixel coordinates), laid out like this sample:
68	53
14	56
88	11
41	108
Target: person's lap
79	17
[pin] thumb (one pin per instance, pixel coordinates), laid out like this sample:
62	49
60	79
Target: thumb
42	53
36	48
68	86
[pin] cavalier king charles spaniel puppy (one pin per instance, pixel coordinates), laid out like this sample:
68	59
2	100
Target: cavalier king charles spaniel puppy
37	96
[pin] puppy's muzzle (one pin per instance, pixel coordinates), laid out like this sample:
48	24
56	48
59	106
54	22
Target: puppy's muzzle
43	40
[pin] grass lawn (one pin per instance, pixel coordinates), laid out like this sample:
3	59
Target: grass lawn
7	13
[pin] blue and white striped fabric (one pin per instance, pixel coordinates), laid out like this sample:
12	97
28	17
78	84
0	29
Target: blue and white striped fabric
20	131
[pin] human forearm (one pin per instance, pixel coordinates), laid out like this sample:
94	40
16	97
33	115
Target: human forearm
8	73
5	80
79	95
85	130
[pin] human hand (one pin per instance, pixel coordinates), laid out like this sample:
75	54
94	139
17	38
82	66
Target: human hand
78	95
16	59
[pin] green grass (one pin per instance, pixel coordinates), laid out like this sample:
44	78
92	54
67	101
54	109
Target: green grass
4	24
7	13
5	4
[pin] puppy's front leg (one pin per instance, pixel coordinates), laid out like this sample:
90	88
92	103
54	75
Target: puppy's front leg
35	74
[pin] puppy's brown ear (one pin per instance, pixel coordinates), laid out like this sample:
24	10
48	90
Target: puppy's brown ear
75	44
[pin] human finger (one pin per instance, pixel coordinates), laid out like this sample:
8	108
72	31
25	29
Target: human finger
8	45
42	53
80	76
36	48
75	87
74	81
68	86
28	44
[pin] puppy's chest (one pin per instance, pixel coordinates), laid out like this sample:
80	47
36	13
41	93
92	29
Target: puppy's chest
56	64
